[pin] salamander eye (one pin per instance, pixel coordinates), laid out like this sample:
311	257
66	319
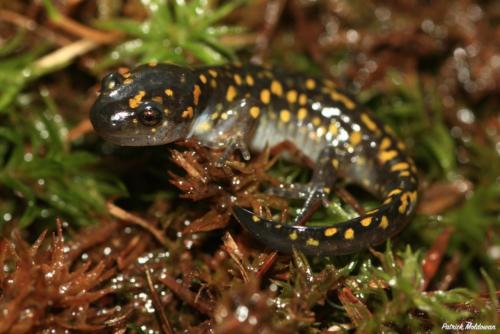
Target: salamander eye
111	81
149	114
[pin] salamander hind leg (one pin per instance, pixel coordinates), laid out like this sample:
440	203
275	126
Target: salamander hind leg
310	240
315	192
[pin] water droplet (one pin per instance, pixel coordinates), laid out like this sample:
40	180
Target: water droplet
241	313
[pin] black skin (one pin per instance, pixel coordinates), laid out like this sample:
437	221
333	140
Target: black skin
240	107
115	120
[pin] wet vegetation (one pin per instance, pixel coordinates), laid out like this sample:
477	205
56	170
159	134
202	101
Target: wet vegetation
99	238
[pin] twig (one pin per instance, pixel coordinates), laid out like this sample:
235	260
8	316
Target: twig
165	326
31	25
78	29
121	214
450	272
267	265
349	199
132	251
231	248
432	260
78	131
272	15
186	295
64	55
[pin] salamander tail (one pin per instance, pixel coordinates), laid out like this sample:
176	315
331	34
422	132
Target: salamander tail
347	237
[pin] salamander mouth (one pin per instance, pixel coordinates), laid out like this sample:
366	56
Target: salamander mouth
132	140
114	123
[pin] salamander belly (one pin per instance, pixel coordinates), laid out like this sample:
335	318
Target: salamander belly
305	136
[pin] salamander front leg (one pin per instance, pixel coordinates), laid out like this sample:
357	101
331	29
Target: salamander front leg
233	144
230	129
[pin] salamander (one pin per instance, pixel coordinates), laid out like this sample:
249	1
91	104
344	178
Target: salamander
246	107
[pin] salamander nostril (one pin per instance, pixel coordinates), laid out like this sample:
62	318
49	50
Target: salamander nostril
111	81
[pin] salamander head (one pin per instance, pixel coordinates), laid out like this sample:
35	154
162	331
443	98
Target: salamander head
151	105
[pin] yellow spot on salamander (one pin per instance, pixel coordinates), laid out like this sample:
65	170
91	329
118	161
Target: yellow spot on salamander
385	144
293	235
213	83
188	113
196	94
384	223
413	168
214	116
321	131
366	221
291	96
213	73
265	96
333	129
413	196
302	99
404	203
255	112
355	138
136	100
302	114
400	166
128	81
316	121
158	99
255	219
385	156
203	78
249	80
370	124
204	126
335	164
388	129
237	79
111	85
310	84
404	173
231	93
285	116
394	192
276	88
312	242
313	136
169	92
330	231
349	234
348	103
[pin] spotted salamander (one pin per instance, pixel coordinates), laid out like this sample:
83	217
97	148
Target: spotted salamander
237	107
